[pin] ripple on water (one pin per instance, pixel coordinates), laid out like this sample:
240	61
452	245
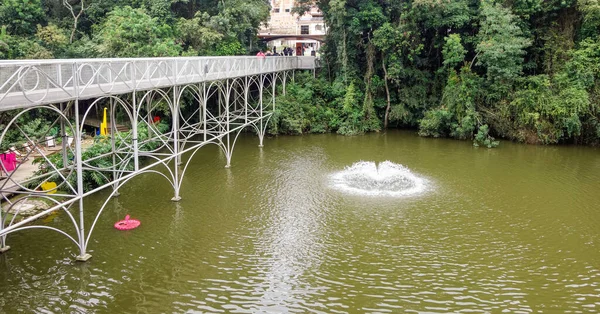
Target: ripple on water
274	238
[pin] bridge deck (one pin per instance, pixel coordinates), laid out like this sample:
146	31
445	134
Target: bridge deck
27	83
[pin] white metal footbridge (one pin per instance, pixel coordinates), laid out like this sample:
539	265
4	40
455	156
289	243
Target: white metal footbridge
169	106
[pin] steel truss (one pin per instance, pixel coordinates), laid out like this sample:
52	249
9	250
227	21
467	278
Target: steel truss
209	111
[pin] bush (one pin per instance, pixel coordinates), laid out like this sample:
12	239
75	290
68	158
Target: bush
483	138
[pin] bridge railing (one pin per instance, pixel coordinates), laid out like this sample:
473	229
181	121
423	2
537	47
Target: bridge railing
25	83
307	63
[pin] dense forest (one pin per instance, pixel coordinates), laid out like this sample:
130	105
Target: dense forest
43	29
524	70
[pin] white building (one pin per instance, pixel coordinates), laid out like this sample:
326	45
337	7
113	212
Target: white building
302	33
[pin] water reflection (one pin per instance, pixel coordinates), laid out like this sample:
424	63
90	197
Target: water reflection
294	234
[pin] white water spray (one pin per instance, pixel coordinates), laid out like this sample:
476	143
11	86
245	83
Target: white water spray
385	179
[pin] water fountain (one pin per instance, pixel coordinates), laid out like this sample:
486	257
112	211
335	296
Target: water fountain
385	179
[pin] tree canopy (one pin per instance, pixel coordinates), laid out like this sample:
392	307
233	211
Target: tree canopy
469	69
138	28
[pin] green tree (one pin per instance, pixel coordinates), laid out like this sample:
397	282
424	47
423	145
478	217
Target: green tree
52	37
21	16
501	46
197	34
453	52
129	32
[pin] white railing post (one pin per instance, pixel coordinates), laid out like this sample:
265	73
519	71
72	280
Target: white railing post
134	122
83	256
177	160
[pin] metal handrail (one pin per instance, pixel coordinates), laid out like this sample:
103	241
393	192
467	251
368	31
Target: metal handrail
27	83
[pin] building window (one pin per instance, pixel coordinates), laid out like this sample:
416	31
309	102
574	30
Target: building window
304	29
318	27
287	10
276	10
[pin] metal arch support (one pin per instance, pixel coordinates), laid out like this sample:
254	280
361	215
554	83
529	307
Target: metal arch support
261	87
283	79
187	129
164	138
4	247
22	185
261	126
93	225
113	144
228	145
193	153
117	168
274	87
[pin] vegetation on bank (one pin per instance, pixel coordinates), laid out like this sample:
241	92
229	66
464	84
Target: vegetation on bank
468	69
313	105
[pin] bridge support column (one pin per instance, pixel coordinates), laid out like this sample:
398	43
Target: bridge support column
3	246
203	104
65	140
261	87
177	159
273	86
246	92
284	79
226	103
134	132
113	134
83	255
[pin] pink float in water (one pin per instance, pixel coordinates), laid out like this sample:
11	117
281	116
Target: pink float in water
127	224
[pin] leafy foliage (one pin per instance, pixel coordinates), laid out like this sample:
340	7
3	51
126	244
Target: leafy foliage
501	45
313	106
119	28
522	70
129	32
21	16
453	52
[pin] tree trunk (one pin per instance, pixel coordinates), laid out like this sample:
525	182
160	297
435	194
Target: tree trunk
74	28
345	59
387	93
368	102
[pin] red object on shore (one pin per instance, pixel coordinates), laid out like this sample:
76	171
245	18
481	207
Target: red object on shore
156	119
9	161
127	224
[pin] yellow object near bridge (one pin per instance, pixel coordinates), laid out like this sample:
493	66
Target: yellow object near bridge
104	125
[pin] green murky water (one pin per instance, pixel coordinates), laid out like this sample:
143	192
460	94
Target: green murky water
513	229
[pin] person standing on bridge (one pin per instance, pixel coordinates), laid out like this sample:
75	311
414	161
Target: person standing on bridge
260	54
